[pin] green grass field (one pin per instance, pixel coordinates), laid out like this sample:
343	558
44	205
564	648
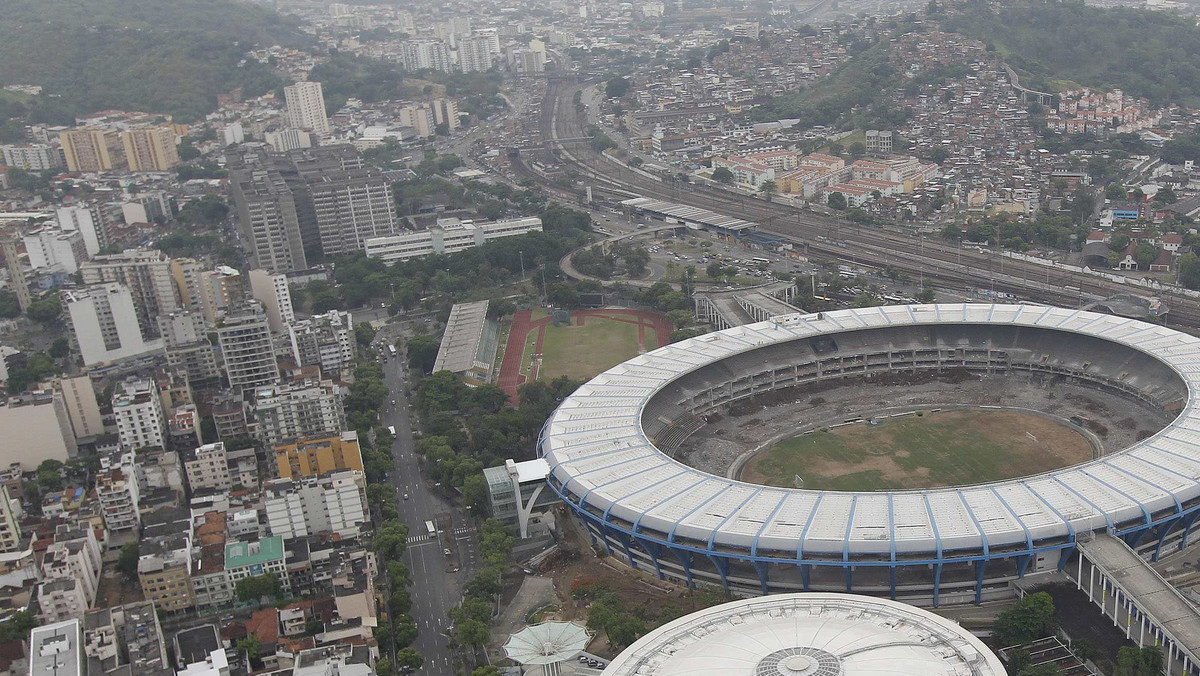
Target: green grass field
580	352
948	448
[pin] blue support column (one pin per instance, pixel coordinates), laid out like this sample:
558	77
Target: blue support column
685	560
722	565
1023	564
849	576
655	551
937	583
1187	528
628	553
763	577
980	570
806	575
1163	530
1064	557
1135	538
892	577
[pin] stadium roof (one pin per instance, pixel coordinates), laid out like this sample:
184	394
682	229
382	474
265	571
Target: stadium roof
599	453
809	634
460	342
692	215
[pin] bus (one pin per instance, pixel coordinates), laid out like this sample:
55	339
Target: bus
761	261
392	430
391	350
431	528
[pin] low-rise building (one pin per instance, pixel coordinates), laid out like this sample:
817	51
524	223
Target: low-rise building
448	236
330	503
313	456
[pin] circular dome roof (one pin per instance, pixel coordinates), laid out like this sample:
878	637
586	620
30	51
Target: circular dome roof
810	634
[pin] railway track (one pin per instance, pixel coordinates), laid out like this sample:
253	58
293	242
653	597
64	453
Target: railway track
946	265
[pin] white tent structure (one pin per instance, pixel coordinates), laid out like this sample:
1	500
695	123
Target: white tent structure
547	643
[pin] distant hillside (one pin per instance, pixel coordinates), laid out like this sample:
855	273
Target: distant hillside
168	56
1145	53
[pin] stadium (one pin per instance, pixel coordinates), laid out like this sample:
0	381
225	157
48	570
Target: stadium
612	451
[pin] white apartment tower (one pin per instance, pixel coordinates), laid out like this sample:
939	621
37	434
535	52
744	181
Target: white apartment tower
271	289
475	54
208	467
104	323
88	223
306	107
139	414
245	340
331	503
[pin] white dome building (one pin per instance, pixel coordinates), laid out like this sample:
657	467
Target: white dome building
808	634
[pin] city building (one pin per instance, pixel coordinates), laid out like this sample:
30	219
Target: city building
330	503
36	428
426	55
147	274
335	660
208	468
105	324
515	490
89	222
475	54
74	555
150	149
445	111
83	410
125	640
220	289
283	140
306	107
245	340
164	571
138	410
271	289
10	527
468	347
57	649
232	134
119	494
17	280
50	247
252	559
449	235
294	410
420	118
93	150
265	205
351	206
326	340
878	142
313	456
36	157
61	599
186	343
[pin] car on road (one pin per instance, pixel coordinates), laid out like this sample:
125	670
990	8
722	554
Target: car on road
446	551
406	496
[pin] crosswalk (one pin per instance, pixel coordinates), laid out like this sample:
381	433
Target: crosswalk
426	537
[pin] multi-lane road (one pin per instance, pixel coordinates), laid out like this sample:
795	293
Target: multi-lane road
438	578
946	264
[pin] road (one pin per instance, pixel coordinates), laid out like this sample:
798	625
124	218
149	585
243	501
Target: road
435	587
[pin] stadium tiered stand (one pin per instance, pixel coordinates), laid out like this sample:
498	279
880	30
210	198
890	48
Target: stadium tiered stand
930	547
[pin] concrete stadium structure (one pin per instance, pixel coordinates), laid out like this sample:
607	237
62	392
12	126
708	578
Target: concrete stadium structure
604	445
808	635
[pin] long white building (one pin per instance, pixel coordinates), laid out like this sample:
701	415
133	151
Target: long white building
450	235
104	323
331	503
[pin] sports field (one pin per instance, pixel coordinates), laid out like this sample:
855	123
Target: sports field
947	448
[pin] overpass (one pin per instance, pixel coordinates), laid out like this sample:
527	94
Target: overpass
736	307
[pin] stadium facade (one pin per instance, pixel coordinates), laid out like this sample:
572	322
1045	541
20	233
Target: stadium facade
929	547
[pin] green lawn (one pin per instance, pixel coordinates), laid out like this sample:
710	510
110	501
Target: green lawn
943	449
580	352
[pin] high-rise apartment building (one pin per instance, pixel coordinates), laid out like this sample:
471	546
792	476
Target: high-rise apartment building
185	340
50	247
117	489
208	468
306	107
93	150
475	54
150	149
445	111
426	55
36	157
420	118
245	340
268	225
89	222
105	324
271	289
139	414
220	289
351	207
313	456
10	527
17	281
294	410
83	409
285	140
324	340
330	503
147	275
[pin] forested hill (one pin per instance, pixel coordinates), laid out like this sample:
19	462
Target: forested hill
1053	44
168	56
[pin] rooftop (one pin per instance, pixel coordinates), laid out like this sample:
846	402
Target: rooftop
242	554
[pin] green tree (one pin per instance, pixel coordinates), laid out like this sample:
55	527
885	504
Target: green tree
127	562
489	670
1029	619
17	626
1115	191
768	189
9	308
255	587
409	659
383	666
616	88
1048	669
364	333
837	201
422	353
46	309
1146	253
249	646
858	149
472	632
60	348
722	175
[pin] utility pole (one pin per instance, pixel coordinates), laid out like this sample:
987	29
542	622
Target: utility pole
521	255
